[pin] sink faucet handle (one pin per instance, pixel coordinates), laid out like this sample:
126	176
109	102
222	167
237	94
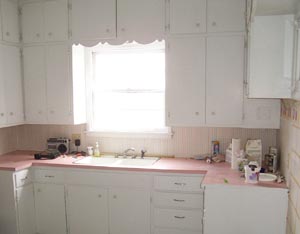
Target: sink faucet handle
143	152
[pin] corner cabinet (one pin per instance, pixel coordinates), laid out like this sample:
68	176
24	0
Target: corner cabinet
10	21
11	104
48	75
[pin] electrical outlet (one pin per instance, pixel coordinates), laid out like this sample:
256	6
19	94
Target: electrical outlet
76	136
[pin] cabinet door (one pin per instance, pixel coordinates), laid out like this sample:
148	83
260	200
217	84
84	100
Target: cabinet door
10	19
3	114
35	84
141	19
87	210
56	20
224	81
58	84
226	15
50	208
25	204
32	22
129	211
13	84
185	89
93	19
187	16
271	56
243	206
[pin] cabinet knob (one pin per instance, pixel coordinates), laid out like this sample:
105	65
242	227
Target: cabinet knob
214	24
99	195
11	113
50	34
213	113
114	196
198	25
7	34
37	35
40	112
123	29
51	112
2	114
107	30
196	113
39	190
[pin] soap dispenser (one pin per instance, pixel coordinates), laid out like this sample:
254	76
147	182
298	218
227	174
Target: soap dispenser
97	150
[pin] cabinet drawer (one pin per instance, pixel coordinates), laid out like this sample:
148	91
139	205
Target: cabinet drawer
49	176
23	177
178	183
179	200
174	231
178	219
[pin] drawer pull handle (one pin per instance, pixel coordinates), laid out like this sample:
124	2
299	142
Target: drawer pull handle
178	200
49	176
25	178
180	184
179	217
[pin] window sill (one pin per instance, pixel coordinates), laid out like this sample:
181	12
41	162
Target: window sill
153	135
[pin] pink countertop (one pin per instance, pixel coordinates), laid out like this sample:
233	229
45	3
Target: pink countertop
217	173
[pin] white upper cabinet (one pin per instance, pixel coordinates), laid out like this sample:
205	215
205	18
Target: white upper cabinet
2	93
58	84
224	81
10	21
51	95
271	56
226	15
187	16
35	84
185	81
56	20
45	21
13	84
141	19
93	19
32	22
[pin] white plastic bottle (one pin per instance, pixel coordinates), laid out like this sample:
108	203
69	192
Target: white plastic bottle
96	150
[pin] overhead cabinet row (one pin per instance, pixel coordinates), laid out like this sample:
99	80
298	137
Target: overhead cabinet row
143	20
205	85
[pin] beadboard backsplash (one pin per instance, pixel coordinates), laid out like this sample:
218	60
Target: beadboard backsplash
186	142
8	139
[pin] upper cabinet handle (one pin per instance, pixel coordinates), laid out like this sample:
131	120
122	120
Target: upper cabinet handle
180	184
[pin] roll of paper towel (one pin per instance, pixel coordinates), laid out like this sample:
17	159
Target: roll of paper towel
236	147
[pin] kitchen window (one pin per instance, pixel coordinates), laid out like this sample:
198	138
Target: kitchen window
127	89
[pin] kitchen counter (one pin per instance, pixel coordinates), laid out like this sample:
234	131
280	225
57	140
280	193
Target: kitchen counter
216	173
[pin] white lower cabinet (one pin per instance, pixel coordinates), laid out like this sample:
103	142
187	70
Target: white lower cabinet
25	204
129	211
87	209
242	209
50	208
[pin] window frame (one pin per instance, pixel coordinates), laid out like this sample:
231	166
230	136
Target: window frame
90	89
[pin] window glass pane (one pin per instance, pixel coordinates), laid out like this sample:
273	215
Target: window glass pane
129	88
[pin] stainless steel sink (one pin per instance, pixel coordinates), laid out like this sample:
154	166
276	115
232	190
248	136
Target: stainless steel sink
120	161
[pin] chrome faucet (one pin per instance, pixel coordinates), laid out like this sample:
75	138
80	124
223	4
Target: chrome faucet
125	153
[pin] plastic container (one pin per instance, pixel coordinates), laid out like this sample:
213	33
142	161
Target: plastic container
97	150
